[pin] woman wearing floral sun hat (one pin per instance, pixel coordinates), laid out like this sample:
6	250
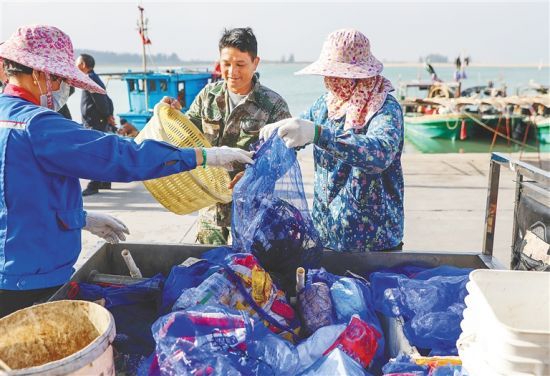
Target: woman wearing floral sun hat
42	156
357	132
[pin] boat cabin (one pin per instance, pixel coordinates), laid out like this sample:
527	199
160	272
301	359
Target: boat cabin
183	85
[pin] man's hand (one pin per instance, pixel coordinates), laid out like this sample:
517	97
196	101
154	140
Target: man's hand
111	120
235	180
173	102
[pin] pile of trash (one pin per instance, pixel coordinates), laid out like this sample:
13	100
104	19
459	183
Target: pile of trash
264	306
223	314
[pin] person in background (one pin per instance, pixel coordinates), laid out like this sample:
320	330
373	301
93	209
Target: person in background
65	109
357	132
97	112
43	155
127	129
231	112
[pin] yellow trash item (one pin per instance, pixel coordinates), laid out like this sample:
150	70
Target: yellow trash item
188	191
66	337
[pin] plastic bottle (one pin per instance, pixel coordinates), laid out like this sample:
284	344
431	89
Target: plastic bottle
214	289
300	279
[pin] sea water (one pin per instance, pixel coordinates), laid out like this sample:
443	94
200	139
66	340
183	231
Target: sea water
300	92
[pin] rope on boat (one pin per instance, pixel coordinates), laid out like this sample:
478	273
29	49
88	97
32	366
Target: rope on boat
453	127
522	144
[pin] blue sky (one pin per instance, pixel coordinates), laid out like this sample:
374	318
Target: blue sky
493	32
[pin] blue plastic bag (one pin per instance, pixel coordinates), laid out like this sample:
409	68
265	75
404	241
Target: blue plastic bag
270	212
203	339
403	364
182	278
336	362
134	308
216	340
351	295
431	303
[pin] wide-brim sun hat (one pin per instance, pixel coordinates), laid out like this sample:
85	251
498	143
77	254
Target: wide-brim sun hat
346	54
47	49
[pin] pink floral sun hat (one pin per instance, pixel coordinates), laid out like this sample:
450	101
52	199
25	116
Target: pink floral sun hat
345	54
47	49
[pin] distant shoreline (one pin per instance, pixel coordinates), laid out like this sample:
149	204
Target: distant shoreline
386	64
436	65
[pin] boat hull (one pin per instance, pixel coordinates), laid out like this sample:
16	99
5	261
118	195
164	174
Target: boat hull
543	131
440	126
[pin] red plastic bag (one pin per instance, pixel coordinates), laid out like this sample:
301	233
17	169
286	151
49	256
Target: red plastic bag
358	340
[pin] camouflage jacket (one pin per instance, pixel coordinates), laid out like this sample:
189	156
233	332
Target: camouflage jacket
240	128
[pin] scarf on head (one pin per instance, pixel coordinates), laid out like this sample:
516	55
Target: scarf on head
357	99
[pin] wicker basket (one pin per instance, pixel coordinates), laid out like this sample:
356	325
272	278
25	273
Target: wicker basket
188	191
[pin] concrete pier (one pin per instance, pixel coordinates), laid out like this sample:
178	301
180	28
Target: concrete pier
445	198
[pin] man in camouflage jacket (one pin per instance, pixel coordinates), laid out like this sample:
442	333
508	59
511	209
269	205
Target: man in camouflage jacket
231	112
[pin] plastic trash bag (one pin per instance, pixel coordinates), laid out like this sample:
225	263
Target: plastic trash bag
191	273
348	298
134	308
359	340
241	283
275	355
431	304
351	295
403	364
203	340
321	275
270	212
185	276
216	340
450	370
115	295
215	289
315	306
337	362
313	348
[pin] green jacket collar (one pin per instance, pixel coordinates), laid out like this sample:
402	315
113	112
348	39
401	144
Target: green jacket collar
220	90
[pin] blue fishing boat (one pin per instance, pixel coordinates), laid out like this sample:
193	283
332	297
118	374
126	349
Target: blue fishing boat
146	88
181	84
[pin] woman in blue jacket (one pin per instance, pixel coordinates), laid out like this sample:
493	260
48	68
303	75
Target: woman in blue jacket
42	157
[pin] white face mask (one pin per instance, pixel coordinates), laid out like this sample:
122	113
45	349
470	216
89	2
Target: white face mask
58	97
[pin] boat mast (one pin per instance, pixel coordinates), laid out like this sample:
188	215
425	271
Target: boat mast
144	40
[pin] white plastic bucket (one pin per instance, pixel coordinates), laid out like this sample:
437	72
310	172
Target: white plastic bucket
66	337
480	363
506	323
516	302
492	338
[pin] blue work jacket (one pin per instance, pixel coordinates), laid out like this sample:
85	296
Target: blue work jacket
42	156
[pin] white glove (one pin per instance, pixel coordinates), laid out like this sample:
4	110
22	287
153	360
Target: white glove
106	227
225	156
269	129
296	132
